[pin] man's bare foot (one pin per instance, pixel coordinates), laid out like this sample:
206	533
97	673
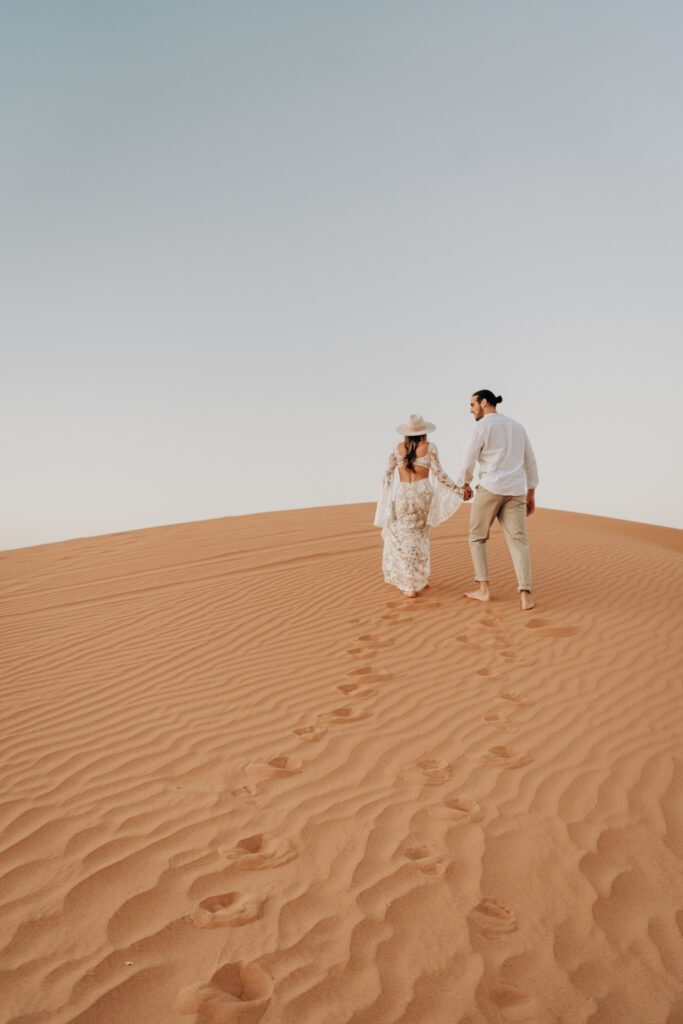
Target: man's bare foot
482	594
526	600
410	593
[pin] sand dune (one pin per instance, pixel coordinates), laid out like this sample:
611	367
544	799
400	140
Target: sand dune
244	780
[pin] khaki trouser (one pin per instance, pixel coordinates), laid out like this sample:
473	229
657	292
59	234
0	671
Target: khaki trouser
510	511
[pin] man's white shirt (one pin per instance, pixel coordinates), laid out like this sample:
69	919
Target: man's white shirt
507	464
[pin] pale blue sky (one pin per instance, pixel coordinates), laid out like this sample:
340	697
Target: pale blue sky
242	241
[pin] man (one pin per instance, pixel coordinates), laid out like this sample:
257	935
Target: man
507	491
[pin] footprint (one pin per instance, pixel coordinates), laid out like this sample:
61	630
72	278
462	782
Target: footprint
259	851
485	672
428	771
404	606
370	674
463	638
502	757
492	918
310	733
514	697
499	722
238	993
456	809
358	691
514	1004
228	910
339	716
277	768
249	791
362	652
373	640
550	629
426	858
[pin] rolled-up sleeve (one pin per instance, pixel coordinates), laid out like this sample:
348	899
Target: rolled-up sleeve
530	467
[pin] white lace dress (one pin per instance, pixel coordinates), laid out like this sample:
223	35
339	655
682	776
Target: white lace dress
407	515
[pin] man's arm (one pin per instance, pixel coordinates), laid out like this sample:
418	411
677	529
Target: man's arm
530	467
531	470
472	452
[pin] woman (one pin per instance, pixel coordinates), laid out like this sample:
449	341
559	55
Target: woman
418	504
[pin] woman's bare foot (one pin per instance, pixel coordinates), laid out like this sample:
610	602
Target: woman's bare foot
410	593
526	600
483	594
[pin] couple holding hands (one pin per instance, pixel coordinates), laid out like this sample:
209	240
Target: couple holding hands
426	496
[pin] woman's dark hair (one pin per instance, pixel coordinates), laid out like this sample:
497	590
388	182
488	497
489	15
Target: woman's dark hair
489	396
412	444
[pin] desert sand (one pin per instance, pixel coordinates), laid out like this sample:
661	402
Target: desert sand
243	779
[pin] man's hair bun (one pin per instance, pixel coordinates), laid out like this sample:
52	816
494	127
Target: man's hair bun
484	393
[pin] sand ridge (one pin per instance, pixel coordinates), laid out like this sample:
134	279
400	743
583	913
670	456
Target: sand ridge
245	780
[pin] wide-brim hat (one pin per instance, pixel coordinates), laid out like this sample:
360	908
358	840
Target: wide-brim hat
415	426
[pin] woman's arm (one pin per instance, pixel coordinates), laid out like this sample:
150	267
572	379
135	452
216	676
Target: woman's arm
440	473
389	471
383	511
446	496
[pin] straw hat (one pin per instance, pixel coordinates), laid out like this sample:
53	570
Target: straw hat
415	426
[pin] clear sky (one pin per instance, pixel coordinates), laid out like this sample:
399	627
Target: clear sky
241	241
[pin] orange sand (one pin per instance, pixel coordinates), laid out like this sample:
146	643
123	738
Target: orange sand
245	780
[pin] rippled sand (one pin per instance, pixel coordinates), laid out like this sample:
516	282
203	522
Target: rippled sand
244	780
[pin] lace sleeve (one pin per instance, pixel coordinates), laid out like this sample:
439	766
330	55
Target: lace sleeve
439	473
384	505
447	496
